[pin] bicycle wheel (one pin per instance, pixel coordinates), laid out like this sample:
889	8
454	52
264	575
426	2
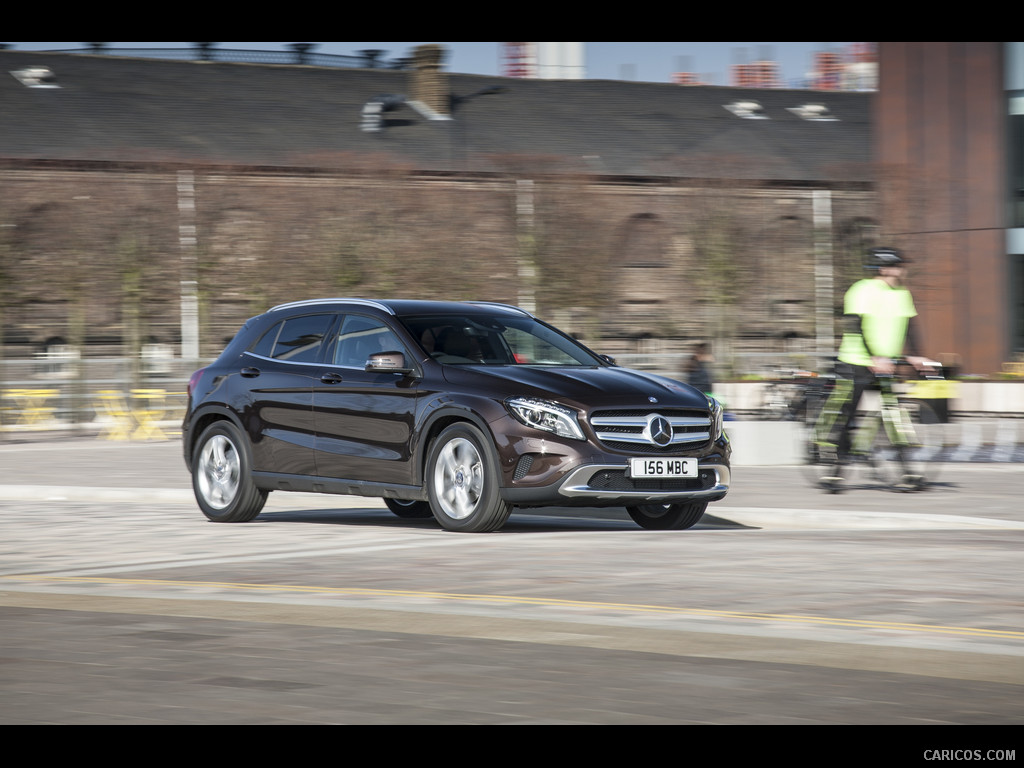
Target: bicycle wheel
871	462
818	463
774	403
908	453
932	439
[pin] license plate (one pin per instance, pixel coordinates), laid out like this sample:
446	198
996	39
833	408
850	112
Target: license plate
663	467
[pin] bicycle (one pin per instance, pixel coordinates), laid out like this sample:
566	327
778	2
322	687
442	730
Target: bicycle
792	392
905	455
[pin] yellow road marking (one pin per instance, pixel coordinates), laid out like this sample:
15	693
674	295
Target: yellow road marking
1004	634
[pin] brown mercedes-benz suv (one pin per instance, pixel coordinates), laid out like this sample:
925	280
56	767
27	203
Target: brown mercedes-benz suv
460	410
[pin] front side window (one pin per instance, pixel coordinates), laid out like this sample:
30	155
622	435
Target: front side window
359	337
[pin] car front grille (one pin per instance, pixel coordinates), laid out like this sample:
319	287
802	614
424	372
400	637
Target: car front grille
629	431
616	480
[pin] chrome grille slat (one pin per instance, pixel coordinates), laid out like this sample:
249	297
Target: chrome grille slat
641	421
625	437
622	429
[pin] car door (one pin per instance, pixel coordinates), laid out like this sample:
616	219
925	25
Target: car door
279	371
364	419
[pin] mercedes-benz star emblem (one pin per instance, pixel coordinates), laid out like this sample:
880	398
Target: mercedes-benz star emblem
659	430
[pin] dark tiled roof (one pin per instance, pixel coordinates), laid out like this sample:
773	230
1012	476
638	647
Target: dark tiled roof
114	108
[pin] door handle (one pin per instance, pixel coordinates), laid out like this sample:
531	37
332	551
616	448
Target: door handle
250	373
331	378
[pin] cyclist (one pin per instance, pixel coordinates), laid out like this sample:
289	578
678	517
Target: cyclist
879	315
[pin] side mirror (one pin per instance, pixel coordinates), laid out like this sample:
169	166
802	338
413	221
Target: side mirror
608	359
387	362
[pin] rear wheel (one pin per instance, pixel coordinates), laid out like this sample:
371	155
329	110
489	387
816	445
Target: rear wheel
221	476
462	479
409	510
668	517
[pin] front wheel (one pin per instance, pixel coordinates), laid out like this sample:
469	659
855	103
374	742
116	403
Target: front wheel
910	459
463	481
668	517
221	477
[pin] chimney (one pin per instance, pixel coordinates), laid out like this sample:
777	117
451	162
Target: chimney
429	81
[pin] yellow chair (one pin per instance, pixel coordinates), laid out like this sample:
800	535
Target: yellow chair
32	409
149	407
118	415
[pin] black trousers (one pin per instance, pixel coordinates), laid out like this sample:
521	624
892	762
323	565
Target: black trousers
862	379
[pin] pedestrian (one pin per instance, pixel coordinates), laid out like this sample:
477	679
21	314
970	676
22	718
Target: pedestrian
696	371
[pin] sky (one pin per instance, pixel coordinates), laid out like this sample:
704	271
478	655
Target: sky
652	62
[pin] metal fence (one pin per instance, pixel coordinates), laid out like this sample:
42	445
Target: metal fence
142	400
123	399
748	365
119	398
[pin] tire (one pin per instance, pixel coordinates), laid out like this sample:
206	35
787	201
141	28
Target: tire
914	467
409	510
463	481
933	438
668	517
817	464
774	404
896	468
221	477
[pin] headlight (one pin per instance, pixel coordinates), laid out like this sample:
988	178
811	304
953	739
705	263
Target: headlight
545	415
715	413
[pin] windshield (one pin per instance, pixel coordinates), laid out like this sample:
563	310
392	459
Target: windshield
474	339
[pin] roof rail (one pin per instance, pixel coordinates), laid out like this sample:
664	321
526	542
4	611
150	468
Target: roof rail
309	302
500	305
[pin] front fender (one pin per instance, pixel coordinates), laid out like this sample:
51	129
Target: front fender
439	413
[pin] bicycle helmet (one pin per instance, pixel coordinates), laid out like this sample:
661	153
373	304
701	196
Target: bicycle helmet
885	257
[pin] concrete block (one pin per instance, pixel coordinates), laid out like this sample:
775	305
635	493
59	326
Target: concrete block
764	443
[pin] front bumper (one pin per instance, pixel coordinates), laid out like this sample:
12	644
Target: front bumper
545	470
608	485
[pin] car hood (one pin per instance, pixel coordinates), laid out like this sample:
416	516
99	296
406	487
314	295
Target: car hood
585	387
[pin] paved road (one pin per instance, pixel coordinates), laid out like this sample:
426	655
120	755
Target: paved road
121	604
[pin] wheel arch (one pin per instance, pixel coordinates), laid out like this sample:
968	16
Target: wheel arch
202	419
438	421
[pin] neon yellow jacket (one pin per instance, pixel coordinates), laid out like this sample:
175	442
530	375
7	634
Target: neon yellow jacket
881	316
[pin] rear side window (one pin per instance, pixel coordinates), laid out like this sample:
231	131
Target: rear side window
297	340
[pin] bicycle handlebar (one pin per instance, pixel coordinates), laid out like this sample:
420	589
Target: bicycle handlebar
935	367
